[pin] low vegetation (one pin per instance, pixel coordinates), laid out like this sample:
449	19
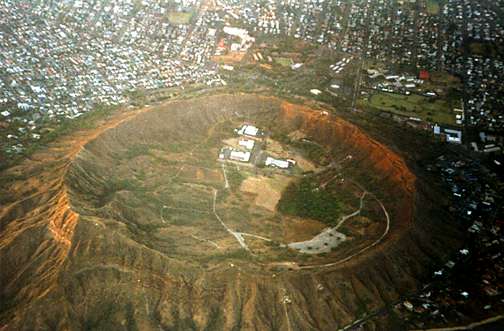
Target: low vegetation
433	7
306	199
426	108
311	151
180	18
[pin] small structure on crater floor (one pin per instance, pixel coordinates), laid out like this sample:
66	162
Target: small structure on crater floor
279	163
247	143
249	131
227	153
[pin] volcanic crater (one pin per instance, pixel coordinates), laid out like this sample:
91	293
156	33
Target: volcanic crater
138	224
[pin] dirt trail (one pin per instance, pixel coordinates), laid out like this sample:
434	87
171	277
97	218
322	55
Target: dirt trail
344	218
237	235
226	183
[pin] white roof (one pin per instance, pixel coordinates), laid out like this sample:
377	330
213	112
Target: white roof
241	156
248	130
296	66
247	143
276	163
251	130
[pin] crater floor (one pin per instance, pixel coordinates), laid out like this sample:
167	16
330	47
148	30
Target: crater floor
159	182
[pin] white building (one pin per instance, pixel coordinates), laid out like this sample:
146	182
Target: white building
248	130
247	143
240	156
283	164
296	66
246	39
453	136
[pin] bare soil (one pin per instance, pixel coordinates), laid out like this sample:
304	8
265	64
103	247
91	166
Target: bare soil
268	191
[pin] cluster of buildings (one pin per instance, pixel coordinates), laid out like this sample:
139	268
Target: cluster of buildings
460	36
340	65
400	84
245	39
476	28
249	149
471	280
381	30
449	135
244	150
406	34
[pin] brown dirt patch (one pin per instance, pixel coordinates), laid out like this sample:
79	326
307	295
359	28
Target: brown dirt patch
304	163
297	229
268	191
232	142
297	135
275	148
231	57
201	174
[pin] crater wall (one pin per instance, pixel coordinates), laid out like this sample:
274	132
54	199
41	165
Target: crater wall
70	271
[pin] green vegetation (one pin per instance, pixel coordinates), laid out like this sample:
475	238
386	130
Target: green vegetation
239	254
433	7
180	18
306	199
113	185
311	150
283	61
235	177
136	150
426	108
86	121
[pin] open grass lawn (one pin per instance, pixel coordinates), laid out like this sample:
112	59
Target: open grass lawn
283	61
179	18
429	109
433	7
